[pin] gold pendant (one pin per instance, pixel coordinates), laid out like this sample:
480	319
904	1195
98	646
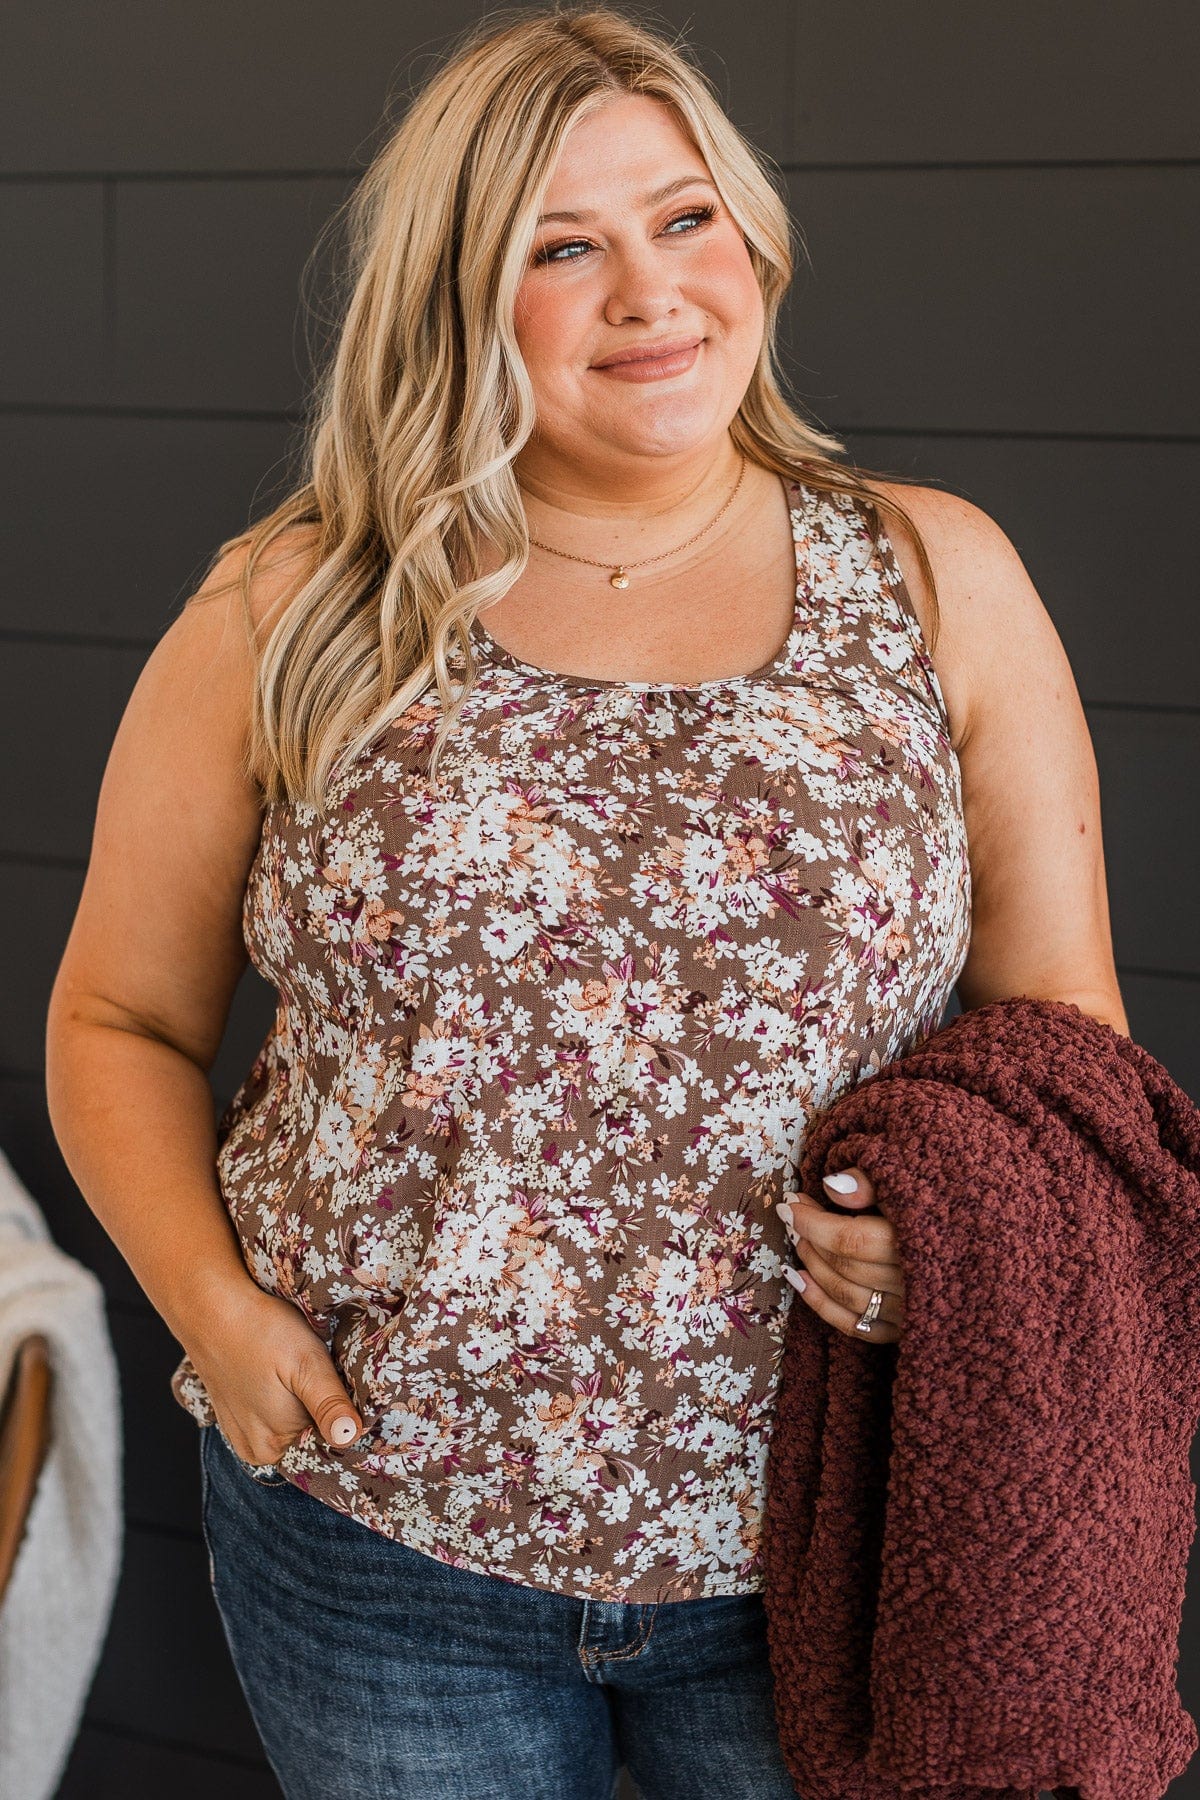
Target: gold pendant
619	578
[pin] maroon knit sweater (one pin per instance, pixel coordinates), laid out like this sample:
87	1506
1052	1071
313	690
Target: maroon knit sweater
977	1537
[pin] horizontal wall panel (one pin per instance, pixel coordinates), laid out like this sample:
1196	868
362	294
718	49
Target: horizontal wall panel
37	905
944	82
146	86
306	86
218	292
161	1452
59	707
1164	1014
1149	766
110	1765
1107	533
997	300
111	521
52	320
175	294
165	1670
250	1018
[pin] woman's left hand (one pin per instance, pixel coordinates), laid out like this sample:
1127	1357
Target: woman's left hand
845	1259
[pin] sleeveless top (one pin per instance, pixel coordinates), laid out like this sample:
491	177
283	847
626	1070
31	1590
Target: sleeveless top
548	1040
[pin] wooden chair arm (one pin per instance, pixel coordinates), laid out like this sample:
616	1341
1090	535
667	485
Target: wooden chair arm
24	1439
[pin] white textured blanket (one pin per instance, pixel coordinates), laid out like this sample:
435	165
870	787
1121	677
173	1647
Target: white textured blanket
55	1611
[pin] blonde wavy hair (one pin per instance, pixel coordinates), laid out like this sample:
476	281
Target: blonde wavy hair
416	418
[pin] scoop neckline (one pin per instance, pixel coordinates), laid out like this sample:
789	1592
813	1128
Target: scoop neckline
496	653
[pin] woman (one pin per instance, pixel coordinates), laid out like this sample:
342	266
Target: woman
593	770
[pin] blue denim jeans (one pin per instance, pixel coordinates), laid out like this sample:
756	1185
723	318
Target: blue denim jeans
376	1672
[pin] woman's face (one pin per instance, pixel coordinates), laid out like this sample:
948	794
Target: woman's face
631	270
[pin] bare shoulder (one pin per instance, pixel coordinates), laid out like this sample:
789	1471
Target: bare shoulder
184	738
984	593
186	728
1031	796
207	657
157	936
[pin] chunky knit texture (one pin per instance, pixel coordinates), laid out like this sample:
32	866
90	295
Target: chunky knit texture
976	1538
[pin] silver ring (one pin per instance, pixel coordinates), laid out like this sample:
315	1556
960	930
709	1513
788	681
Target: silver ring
874	1306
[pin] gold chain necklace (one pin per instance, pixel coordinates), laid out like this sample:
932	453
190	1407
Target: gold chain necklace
619	577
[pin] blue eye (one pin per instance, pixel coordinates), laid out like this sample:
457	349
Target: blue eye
551	252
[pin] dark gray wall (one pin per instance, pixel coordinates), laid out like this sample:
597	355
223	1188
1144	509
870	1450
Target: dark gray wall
999	203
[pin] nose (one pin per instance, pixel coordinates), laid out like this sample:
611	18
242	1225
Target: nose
639	286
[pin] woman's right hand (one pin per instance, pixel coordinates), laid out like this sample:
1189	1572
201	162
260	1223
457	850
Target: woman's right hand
269	1375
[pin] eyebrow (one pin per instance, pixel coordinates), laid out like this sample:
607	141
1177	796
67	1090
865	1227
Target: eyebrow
654	199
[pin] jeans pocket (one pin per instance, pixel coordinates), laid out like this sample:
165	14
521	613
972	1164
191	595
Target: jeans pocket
262	1474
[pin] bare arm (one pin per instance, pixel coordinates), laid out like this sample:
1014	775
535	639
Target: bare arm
1031	796
142	994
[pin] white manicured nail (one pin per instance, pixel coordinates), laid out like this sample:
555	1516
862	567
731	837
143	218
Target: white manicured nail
841	1183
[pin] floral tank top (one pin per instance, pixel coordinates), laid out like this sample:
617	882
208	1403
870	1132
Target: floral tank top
548	1039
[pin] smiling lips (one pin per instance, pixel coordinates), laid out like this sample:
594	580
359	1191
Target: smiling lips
650	362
